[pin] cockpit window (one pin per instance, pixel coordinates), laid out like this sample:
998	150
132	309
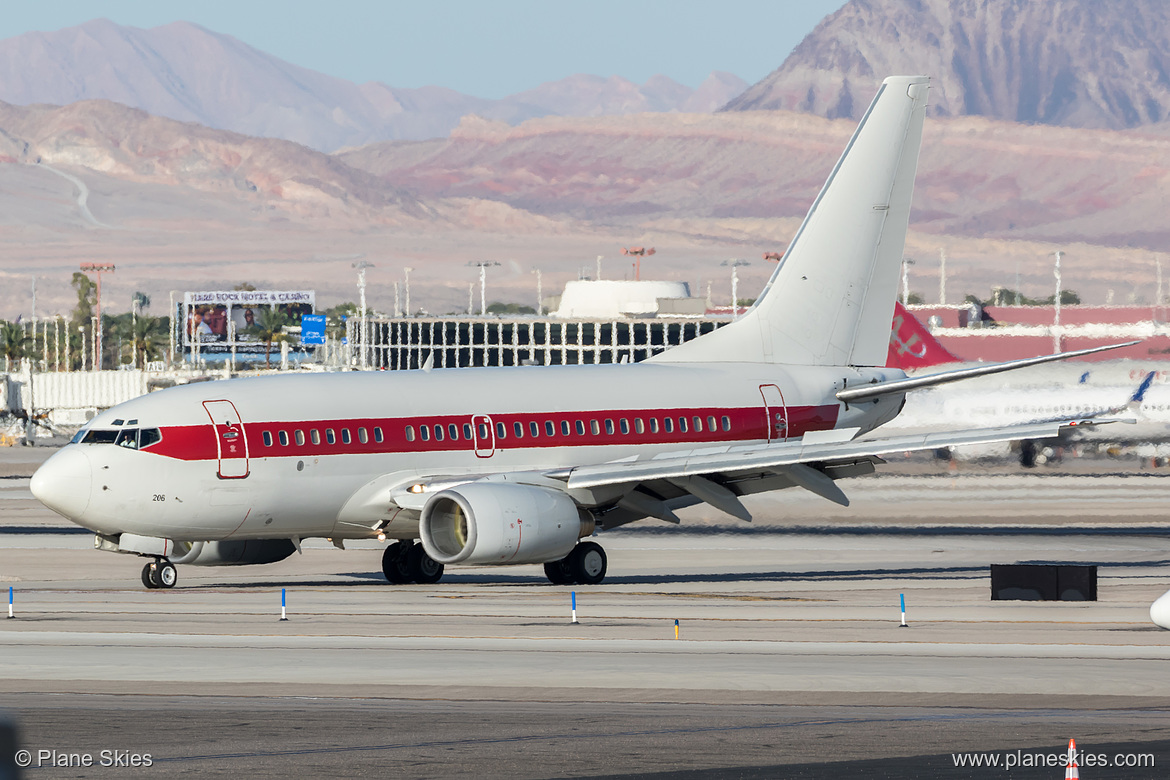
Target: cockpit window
130	438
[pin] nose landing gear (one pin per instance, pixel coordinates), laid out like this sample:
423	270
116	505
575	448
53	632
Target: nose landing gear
160	574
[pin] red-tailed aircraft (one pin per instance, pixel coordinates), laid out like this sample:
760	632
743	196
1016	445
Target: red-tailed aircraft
518	465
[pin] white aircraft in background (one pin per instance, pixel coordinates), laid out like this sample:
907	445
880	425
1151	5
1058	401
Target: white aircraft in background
1027	398
516	465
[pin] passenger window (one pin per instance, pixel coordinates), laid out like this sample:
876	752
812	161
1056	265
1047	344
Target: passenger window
267	438
283	436
315	436
726	423
149	436
580	427
345	436
711	423
668	425
330	437
467	431
424	432
609	427
549	428
378	435
534	428
453	432
438	433
483	430
300	438
410	432
682	425
624	425
518	429
501	430
595	427
698	421
639	426
653	425
564	427
363	437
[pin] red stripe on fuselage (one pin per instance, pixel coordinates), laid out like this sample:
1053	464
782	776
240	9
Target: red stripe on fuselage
197	442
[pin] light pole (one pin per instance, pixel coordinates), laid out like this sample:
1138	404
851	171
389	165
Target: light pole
99	269
599	259
906	263
735	264
540	293
361	267
407	271
482	265
1056	309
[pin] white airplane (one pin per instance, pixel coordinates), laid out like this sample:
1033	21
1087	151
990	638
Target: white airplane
518	465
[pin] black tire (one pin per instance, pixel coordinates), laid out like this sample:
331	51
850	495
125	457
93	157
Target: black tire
588	563
424	569
558	572
148	576
394	563
166	575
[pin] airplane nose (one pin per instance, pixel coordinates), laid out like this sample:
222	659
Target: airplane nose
63	482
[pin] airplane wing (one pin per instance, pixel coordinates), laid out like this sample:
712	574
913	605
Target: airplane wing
720	475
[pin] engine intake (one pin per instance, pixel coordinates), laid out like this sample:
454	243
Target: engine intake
484	523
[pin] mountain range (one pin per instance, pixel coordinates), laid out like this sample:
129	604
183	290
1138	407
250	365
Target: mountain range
186	72
1077	63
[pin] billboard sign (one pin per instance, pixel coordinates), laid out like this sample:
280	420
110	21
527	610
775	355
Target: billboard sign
313	329
221	320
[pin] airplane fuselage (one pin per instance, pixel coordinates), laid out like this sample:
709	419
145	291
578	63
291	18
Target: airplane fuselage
321	455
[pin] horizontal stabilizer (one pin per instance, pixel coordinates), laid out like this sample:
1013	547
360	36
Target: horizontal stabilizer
866	392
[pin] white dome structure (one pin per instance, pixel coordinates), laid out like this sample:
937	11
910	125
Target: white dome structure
609	299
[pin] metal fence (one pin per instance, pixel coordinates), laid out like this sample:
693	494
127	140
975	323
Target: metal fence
396	344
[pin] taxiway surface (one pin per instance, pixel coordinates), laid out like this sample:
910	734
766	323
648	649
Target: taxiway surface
790	660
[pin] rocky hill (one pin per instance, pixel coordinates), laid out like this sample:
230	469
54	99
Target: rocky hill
186	72
1077	63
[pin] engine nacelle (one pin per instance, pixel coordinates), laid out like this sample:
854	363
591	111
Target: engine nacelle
484	523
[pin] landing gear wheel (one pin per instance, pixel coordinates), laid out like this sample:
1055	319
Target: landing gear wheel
587	563
424	569
394	563
558	572
165	574
148	576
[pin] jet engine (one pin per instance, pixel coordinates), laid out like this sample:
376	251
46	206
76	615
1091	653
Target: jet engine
493	523
232	553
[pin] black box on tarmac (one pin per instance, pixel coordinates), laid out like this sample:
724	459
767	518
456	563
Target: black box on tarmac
1043	582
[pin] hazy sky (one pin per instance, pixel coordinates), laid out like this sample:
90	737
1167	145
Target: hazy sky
487	49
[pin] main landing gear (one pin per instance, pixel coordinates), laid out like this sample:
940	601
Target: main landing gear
160	574
407	561
585	565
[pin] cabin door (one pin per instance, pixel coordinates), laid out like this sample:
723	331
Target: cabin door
230	442
776	413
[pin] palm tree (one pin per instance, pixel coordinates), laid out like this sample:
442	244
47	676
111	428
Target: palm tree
271	323
14	342
146	338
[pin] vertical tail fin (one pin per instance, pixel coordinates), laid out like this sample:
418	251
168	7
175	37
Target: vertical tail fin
912	345
831	299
